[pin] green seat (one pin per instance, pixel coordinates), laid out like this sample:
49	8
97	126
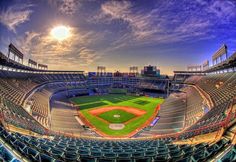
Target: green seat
160	158
230	156
110	155
96	154
105	160
150	153
46	158
124	155
199	155
137	154
87	159
124	160
143	159
176	154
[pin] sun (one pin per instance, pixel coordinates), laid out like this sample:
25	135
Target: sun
60	33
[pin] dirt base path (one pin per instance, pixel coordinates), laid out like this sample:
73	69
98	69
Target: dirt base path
135	111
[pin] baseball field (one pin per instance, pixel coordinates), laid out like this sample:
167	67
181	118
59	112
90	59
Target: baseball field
117	115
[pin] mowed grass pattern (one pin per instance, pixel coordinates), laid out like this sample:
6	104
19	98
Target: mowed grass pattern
87	103
110	116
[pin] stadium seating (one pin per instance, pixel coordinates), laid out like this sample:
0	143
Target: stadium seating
221	87
230	156
15	90
25	104
17	116
62	148
152	84
5	155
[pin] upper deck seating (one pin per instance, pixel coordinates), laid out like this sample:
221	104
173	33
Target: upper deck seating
220	87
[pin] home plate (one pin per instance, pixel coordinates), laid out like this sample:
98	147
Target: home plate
116	126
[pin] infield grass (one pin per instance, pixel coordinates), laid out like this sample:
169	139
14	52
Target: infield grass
87	103
110	116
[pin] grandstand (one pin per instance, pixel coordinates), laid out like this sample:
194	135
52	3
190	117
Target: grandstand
39	121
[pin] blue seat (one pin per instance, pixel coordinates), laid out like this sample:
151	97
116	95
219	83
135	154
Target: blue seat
57	152
106	160
32	154
160	158
20	146
72	149
46	158
87	159
84	153
143	159
71	156
124	160
44	147
199	155
150	153
96	153
176	154
109	155
124	155
137	155
5	154
33	142
5	134
184	159
230	156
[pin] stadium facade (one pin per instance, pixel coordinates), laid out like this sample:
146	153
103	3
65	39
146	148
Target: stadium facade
195	122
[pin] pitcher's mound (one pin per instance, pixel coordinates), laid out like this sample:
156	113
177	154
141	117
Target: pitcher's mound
116	126
116	115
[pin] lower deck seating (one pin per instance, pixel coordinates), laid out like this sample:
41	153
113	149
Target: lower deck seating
178	111
230	156
15	89
60	148
17	116
5	155
39	100
171	114
194	104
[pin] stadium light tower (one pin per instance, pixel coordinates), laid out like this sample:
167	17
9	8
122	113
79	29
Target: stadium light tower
101	69
133	69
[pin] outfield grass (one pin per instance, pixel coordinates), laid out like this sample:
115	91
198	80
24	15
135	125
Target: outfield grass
87	103
109	116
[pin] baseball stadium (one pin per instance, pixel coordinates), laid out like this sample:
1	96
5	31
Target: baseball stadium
85	109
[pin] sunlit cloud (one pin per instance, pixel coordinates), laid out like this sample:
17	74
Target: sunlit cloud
15	15
43	47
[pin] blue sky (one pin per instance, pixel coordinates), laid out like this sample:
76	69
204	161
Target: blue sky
170	34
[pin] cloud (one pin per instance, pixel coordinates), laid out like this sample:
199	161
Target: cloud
68	7
165	22
88	55
15	15
139	22
222	9
74	52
